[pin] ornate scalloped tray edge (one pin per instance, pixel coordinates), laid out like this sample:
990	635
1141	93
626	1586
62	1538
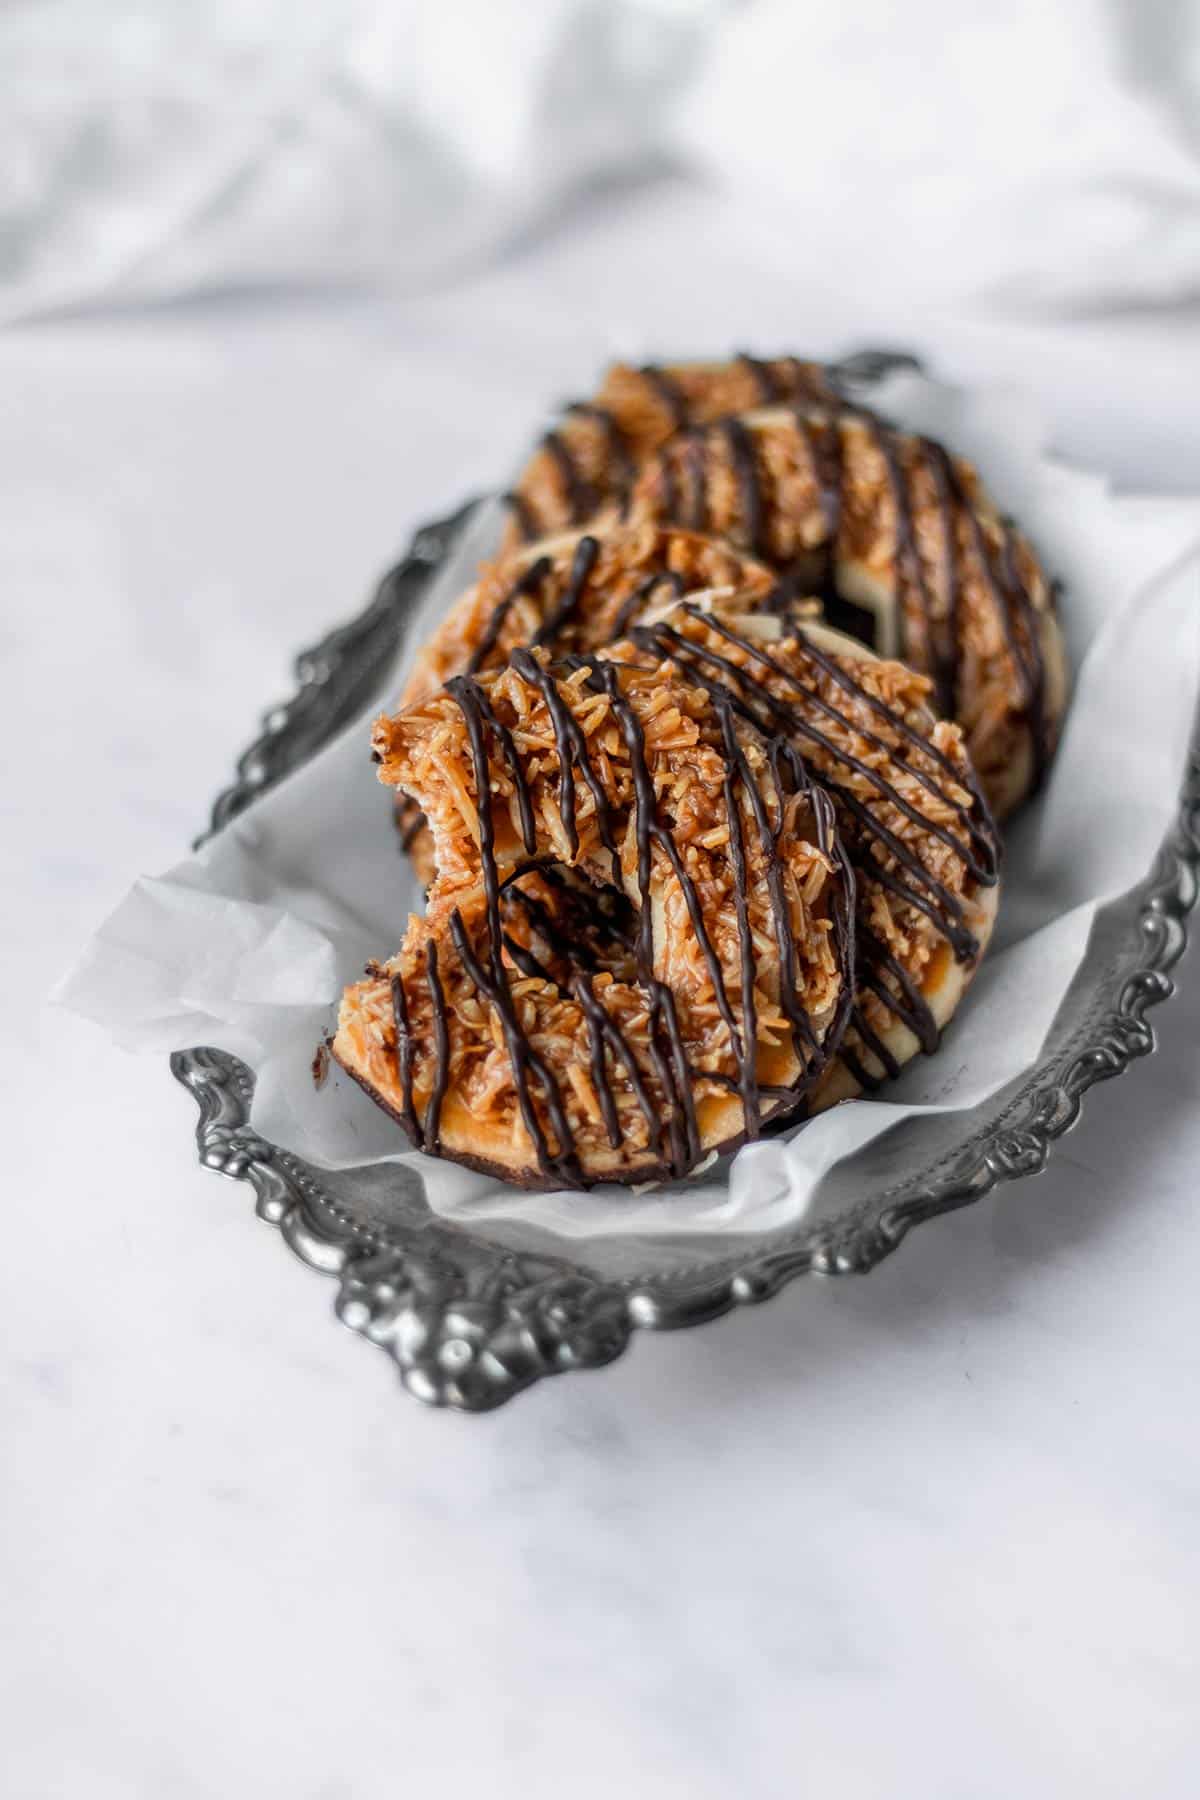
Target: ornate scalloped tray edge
469	1322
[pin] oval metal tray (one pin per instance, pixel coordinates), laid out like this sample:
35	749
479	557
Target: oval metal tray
469	1318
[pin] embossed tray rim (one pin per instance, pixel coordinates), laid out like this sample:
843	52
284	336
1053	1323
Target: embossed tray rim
471	1321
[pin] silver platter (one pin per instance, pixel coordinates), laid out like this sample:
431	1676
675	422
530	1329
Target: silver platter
472	1318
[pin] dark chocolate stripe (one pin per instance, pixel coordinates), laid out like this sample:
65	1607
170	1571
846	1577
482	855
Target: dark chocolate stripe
668	393
620	461
578	492
649	830
526	520
572	749
477	712
825	452
975	818
404	1056
1036	714
582	908
769	390
672	1060
735	772
672	1125
871	1041
602	1030
525	584
696	464
745	468
640	598
492	982
909	1004
682	474
586	552
431	1125
524	1061
669	643
940	659
747	693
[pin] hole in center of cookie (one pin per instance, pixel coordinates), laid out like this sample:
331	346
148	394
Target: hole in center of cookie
555	921
858	622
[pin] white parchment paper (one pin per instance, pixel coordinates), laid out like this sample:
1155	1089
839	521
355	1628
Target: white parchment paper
247	944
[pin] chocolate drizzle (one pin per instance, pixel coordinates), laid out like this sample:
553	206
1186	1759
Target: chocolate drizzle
571	963
491	981
668	393
931	638
940	658
432	1122
581	497
571	746
564	612
586	552
769	390
697	481
480	720
425	1133
584	926
1008	594
569	956
568	938
639	599
775	699
526	584
574	497
745	468
526	520
620	460
824	444
404	1056
1014	603
671	1061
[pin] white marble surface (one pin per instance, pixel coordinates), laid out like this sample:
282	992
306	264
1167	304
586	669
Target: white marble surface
936	1532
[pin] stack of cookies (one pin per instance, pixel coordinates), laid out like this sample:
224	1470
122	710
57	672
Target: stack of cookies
702	777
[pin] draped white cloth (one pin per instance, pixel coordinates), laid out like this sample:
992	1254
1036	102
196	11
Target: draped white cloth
1016	155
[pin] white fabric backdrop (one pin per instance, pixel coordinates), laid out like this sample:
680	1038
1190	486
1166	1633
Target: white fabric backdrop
1030	154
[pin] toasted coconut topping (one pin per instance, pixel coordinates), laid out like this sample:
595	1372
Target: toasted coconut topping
893	522
588	462
638	943
575	593
695	864
910	813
